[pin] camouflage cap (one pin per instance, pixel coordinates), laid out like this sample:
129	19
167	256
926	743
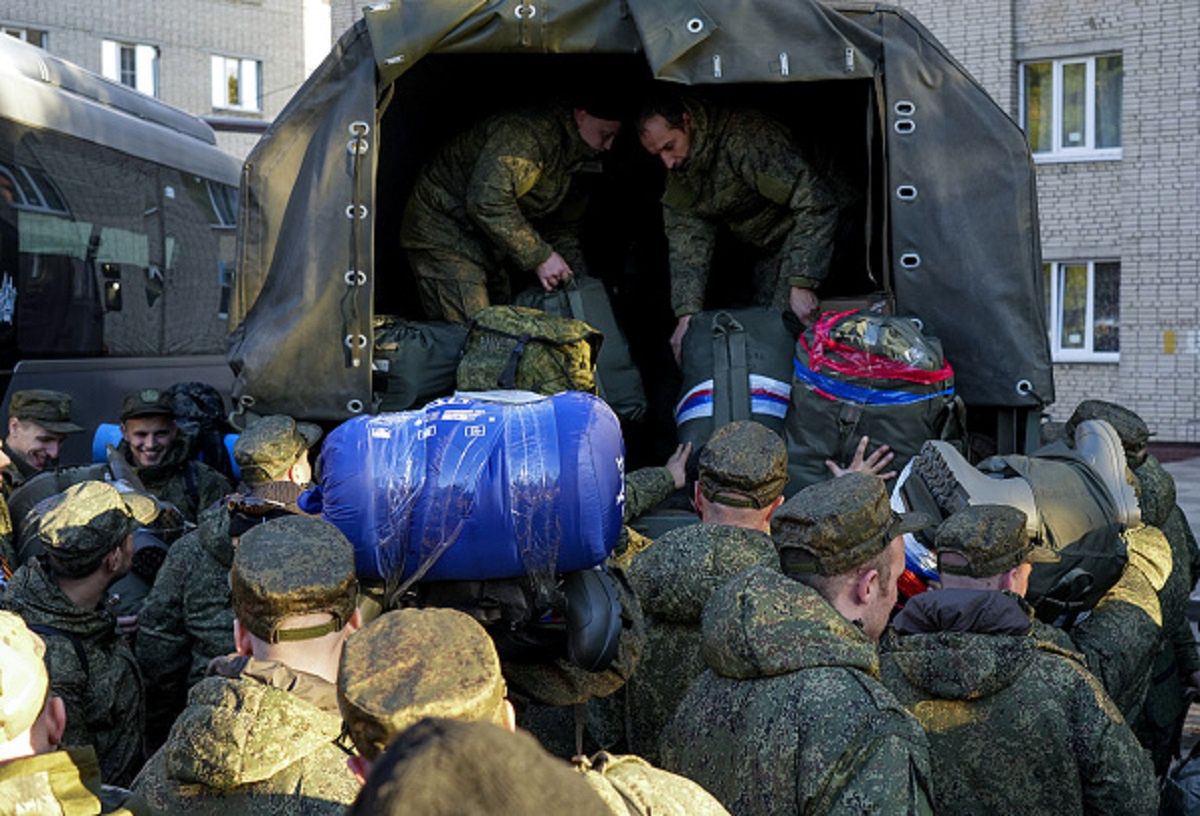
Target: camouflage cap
1129	426
990	539
50	409
24	682
416	663
270	445
744	464
87	520
147	402
832	527
296	565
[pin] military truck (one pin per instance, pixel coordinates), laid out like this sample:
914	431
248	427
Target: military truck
945	230
118	222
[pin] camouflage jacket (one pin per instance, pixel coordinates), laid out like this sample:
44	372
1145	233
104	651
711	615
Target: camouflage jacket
187	619
645	488
63	782
189	485
91	668
255	738
1015	725
17	472
744	173
630	786
481	194
790	716
674	580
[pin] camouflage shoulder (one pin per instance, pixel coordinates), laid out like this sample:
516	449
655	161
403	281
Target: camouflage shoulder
122	802
1055	641
646	487
630	784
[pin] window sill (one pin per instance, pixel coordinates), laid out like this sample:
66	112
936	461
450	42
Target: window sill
248	112
1075	158
1086	357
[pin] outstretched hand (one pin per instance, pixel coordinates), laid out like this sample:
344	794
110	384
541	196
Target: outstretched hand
677	464
861	463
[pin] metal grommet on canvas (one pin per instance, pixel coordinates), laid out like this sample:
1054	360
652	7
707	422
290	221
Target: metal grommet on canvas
904	126
695	25
525	11
362	211
359	128
354	406
355	341
246	401
904	107
1024	387
906	192
355	277
910	260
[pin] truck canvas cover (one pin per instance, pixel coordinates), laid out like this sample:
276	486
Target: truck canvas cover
950	174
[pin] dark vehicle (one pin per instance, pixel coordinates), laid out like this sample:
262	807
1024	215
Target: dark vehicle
946	229
117	238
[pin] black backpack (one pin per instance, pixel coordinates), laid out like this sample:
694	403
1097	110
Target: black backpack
200	413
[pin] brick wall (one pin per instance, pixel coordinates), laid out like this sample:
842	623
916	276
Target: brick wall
187	33
343	14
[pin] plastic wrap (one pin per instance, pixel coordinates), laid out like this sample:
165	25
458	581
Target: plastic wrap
478	486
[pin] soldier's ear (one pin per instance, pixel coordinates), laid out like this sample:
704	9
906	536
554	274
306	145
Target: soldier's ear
13	423
775	505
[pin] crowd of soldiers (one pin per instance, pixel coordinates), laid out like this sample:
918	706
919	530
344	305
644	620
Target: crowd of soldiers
764	667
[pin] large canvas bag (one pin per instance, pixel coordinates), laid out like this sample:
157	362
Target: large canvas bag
514	347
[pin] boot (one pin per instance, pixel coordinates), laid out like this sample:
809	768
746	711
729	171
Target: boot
1098	445
955	484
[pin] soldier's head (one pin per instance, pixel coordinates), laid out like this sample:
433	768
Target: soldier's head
275	449
598	113
987	546
148	425
742	473
87	530
665	129
32	720
294	592
1130	427
415	663
443	767
38	424
842	538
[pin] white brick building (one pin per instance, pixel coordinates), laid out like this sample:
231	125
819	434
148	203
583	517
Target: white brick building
238	60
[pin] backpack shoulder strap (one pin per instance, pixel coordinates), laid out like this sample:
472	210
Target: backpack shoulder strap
76	642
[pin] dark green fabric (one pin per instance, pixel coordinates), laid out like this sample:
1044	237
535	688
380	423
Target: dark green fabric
529	350
820	428
420	358
618	380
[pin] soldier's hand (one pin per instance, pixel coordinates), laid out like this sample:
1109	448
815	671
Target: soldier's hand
861	463
553	271
804	303
677	338
677	464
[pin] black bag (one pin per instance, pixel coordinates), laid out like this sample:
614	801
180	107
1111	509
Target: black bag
737	364
200	413
416	361
618	381
858	374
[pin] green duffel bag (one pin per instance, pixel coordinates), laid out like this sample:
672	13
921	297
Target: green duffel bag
737	364
618	381
858	373
417	361
516	347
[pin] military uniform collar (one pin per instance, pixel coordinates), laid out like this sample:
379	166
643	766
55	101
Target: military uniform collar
308	687
20	471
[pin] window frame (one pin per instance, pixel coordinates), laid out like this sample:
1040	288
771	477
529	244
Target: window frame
22	32
151	86
1058	153
1058	354
223	104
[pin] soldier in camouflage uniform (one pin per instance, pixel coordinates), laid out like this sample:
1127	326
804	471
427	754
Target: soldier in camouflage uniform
1015	724
502	194
451	670
742	473
260	734
187	619
1176	666
738	170
38	424
87	532
790	716
36	774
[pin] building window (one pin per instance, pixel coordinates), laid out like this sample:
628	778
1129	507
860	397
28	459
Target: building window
29	35
1084	298
236	83
1071	108
133	65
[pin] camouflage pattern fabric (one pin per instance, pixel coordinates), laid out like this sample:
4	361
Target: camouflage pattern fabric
529	350
168	480
187	619
16	473
1130	427
67	782
294	565
743	464
631	785
1014	725
991	539
86	521
485	200
103	692
270	445
410	664
256	738
645	488
744	173
147	402
50	409
674	580
790	716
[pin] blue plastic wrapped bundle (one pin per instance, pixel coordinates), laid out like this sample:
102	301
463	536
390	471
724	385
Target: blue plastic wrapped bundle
477	486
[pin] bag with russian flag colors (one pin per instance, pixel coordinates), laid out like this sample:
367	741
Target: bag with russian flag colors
737	364
858	373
